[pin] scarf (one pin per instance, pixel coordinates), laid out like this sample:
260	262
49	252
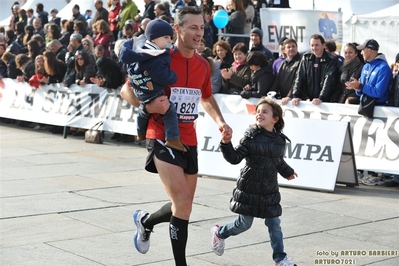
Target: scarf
349	68
236	65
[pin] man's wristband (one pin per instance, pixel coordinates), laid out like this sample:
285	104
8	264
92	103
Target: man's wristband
142	108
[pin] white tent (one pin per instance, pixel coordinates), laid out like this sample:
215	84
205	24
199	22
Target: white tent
382	25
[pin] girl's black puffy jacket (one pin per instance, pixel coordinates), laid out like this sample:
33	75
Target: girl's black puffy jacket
257	193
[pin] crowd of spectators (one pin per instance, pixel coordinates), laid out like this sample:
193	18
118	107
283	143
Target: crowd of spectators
80	50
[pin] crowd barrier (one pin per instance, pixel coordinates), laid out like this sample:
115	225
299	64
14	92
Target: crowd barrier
375	141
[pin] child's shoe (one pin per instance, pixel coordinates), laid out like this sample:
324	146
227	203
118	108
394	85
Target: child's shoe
175	144
217	243
285	262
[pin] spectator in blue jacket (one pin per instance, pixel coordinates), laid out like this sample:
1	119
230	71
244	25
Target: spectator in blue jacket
376	74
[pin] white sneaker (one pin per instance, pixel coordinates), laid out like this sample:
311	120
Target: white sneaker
285	262
217	243
142	235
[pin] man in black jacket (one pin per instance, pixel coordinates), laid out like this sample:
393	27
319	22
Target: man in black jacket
288	70
43	15
317	75
101	13
149	9
75	44
56	47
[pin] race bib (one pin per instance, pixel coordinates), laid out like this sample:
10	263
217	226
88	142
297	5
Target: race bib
186	102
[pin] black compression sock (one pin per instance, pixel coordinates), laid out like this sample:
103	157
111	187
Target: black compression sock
160	216
178	231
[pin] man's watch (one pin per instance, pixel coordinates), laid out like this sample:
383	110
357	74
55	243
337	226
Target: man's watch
142	108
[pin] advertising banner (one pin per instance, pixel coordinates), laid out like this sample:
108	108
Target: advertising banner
299	25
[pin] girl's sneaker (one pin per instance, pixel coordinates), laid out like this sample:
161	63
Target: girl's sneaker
217	243
285	262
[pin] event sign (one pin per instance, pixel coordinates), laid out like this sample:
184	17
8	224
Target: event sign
299	25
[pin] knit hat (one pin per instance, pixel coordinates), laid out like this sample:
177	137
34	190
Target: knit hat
157	28
257	31
369	43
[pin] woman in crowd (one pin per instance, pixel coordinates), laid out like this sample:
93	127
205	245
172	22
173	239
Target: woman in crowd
54	68
238	75
203	49
3	65
39	65
46	30
352	67
33	49
84	70
262	77
249	18
223	54
80	28
89	48
216	77
114	7
22	17
54	19
20	32
40	72
84	73
27	37
109	74
54	32
67	30
237	22
103	36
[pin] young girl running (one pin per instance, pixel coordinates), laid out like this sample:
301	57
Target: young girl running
257	193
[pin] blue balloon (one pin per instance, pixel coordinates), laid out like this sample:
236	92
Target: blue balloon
220	19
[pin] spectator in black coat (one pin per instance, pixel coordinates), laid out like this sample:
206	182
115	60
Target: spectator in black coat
26	65
33	49
56	47
54	19
54	68
38	28
149	9
43	15
67	31
102	13
12	71
84	70
109	74
261	76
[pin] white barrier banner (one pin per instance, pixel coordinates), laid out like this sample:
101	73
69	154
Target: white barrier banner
75	106
299	25
315	160
375	141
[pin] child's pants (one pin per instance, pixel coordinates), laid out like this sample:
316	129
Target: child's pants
243	223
